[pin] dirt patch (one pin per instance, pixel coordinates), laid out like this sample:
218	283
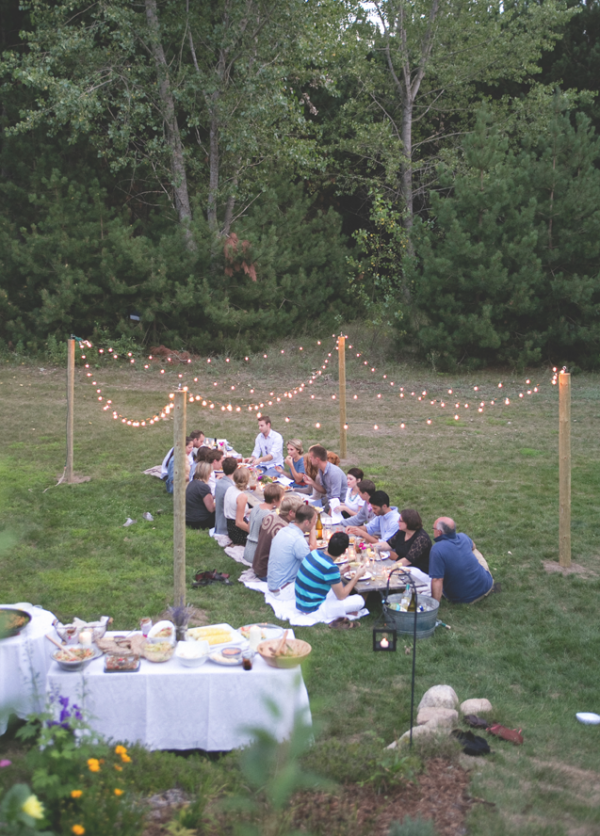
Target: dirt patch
574	569
198	618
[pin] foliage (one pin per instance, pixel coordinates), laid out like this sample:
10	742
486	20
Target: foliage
82	781
21	812
508	267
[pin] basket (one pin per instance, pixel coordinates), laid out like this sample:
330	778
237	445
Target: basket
302	651
404	622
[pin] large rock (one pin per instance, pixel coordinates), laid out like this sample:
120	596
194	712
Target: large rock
482	706
437	716
440	696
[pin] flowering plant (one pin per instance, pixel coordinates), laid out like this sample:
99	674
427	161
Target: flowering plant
21	812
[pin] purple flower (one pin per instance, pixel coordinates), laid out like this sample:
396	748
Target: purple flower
64	701
77	712
5	763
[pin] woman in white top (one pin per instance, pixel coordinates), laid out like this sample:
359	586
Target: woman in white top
353	501
234	507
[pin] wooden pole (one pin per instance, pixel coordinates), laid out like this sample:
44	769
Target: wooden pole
564	468
179	487
70	408
342	377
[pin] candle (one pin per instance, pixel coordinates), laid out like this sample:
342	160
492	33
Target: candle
85	637
384	643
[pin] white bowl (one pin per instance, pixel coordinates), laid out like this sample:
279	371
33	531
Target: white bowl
192	654
157	628
588	718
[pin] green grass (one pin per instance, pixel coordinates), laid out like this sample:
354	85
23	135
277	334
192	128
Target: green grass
532	650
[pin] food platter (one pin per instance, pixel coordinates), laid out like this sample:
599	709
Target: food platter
12	621
229	656
267	631
83	655
366	577
217	635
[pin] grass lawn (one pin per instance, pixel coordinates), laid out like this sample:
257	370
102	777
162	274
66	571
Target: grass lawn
533	650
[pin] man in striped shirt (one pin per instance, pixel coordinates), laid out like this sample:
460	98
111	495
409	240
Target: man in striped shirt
319	585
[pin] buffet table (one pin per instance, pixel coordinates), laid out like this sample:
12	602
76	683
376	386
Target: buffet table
168	706
24	662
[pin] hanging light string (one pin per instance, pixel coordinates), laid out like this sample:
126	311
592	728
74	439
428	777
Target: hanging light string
274	398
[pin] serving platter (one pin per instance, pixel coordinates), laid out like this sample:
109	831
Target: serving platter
268	631
12	621
218	657
202	633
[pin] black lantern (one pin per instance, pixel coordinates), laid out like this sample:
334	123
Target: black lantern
384	637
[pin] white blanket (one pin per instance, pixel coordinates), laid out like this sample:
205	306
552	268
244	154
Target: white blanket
237	553
284	604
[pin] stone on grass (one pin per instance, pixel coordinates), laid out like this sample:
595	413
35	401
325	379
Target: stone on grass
476	706
426	730
440	696
438	716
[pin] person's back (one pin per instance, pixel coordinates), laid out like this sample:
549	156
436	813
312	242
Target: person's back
452	558
270	525
283	557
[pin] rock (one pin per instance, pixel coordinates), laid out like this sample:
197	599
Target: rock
440	696
476	706
438	716
426	730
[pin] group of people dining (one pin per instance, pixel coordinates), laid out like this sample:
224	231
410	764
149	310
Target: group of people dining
279	533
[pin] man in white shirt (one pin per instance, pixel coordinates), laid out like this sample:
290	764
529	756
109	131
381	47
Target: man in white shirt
268	448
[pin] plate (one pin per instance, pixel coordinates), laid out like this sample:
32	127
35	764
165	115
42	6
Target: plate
588	718
366	577
12	621
217	657
200	634
268	631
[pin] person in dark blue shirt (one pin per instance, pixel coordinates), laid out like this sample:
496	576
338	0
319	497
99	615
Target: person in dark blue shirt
457	570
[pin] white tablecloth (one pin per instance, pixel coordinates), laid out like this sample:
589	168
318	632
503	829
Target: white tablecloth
168	706
24	662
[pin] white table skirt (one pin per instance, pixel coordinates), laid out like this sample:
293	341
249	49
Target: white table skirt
168	706
24	662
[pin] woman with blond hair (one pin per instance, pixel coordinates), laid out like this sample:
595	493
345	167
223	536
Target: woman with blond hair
295	462
234	507
199	502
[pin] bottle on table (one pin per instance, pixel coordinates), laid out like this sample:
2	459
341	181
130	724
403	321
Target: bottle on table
319	528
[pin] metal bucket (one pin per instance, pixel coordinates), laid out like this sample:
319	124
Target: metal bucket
404	622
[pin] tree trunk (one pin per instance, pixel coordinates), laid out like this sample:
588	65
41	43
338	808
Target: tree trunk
407	185
180	189
213	164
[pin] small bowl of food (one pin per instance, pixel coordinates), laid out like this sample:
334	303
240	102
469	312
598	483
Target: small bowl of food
74	657
162	631
192	654
288	654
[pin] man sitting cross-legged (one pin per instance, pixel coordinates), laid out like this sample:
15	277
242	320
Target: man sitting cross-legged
456	568
319	585
384	524
289	548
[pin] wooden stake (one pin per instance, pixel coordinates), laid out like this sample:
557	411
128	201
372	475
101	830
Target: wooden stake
179	488
564	468
70	408
342	395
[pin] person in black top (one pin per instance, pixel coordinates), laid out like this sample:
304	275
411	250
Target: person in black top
199	502
411	544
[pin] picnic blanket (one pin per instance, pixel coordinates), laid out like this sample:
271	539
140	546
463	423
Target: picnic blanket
154	471
284	604
237	553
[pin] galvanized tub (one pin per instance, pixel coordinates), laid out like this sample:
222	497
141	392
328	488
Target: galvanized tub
404	622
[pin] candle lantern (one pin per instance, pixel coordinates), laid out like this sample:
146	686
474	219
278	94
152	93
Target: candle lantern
384	637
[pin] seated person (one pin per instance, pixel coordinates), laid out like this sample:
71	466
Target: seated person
199	502
214	460
319	585
229	467
268	447
411	544
197	439
289	548
353	501
383	525
366	489
189	445
270	525
199	454
294	462
334	484
457	570
273	496
234	507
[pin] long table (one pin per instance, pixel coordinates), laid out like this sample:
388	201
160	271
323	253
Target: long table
168	706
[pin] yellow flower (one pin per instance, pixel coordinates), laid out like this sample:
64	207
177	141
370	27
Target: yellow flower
33	807
120	750
118	792
118	768
78	830
93	765
125	758
76	793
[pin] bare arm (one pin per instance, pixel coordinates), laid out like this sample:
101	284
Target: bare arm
437	585
342	591
240	505
209	503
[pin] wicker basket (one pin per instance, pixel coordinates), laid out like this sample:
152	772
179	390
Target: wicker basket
301	649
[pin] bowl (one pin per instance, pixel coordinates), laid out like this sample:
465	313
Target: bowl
297	651
86	654
12	621
192	654
166	627
159	651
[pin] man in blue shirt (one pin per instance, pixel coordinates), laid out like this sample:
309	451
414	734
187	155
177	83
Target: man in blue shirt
456	569
319	585
384	524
